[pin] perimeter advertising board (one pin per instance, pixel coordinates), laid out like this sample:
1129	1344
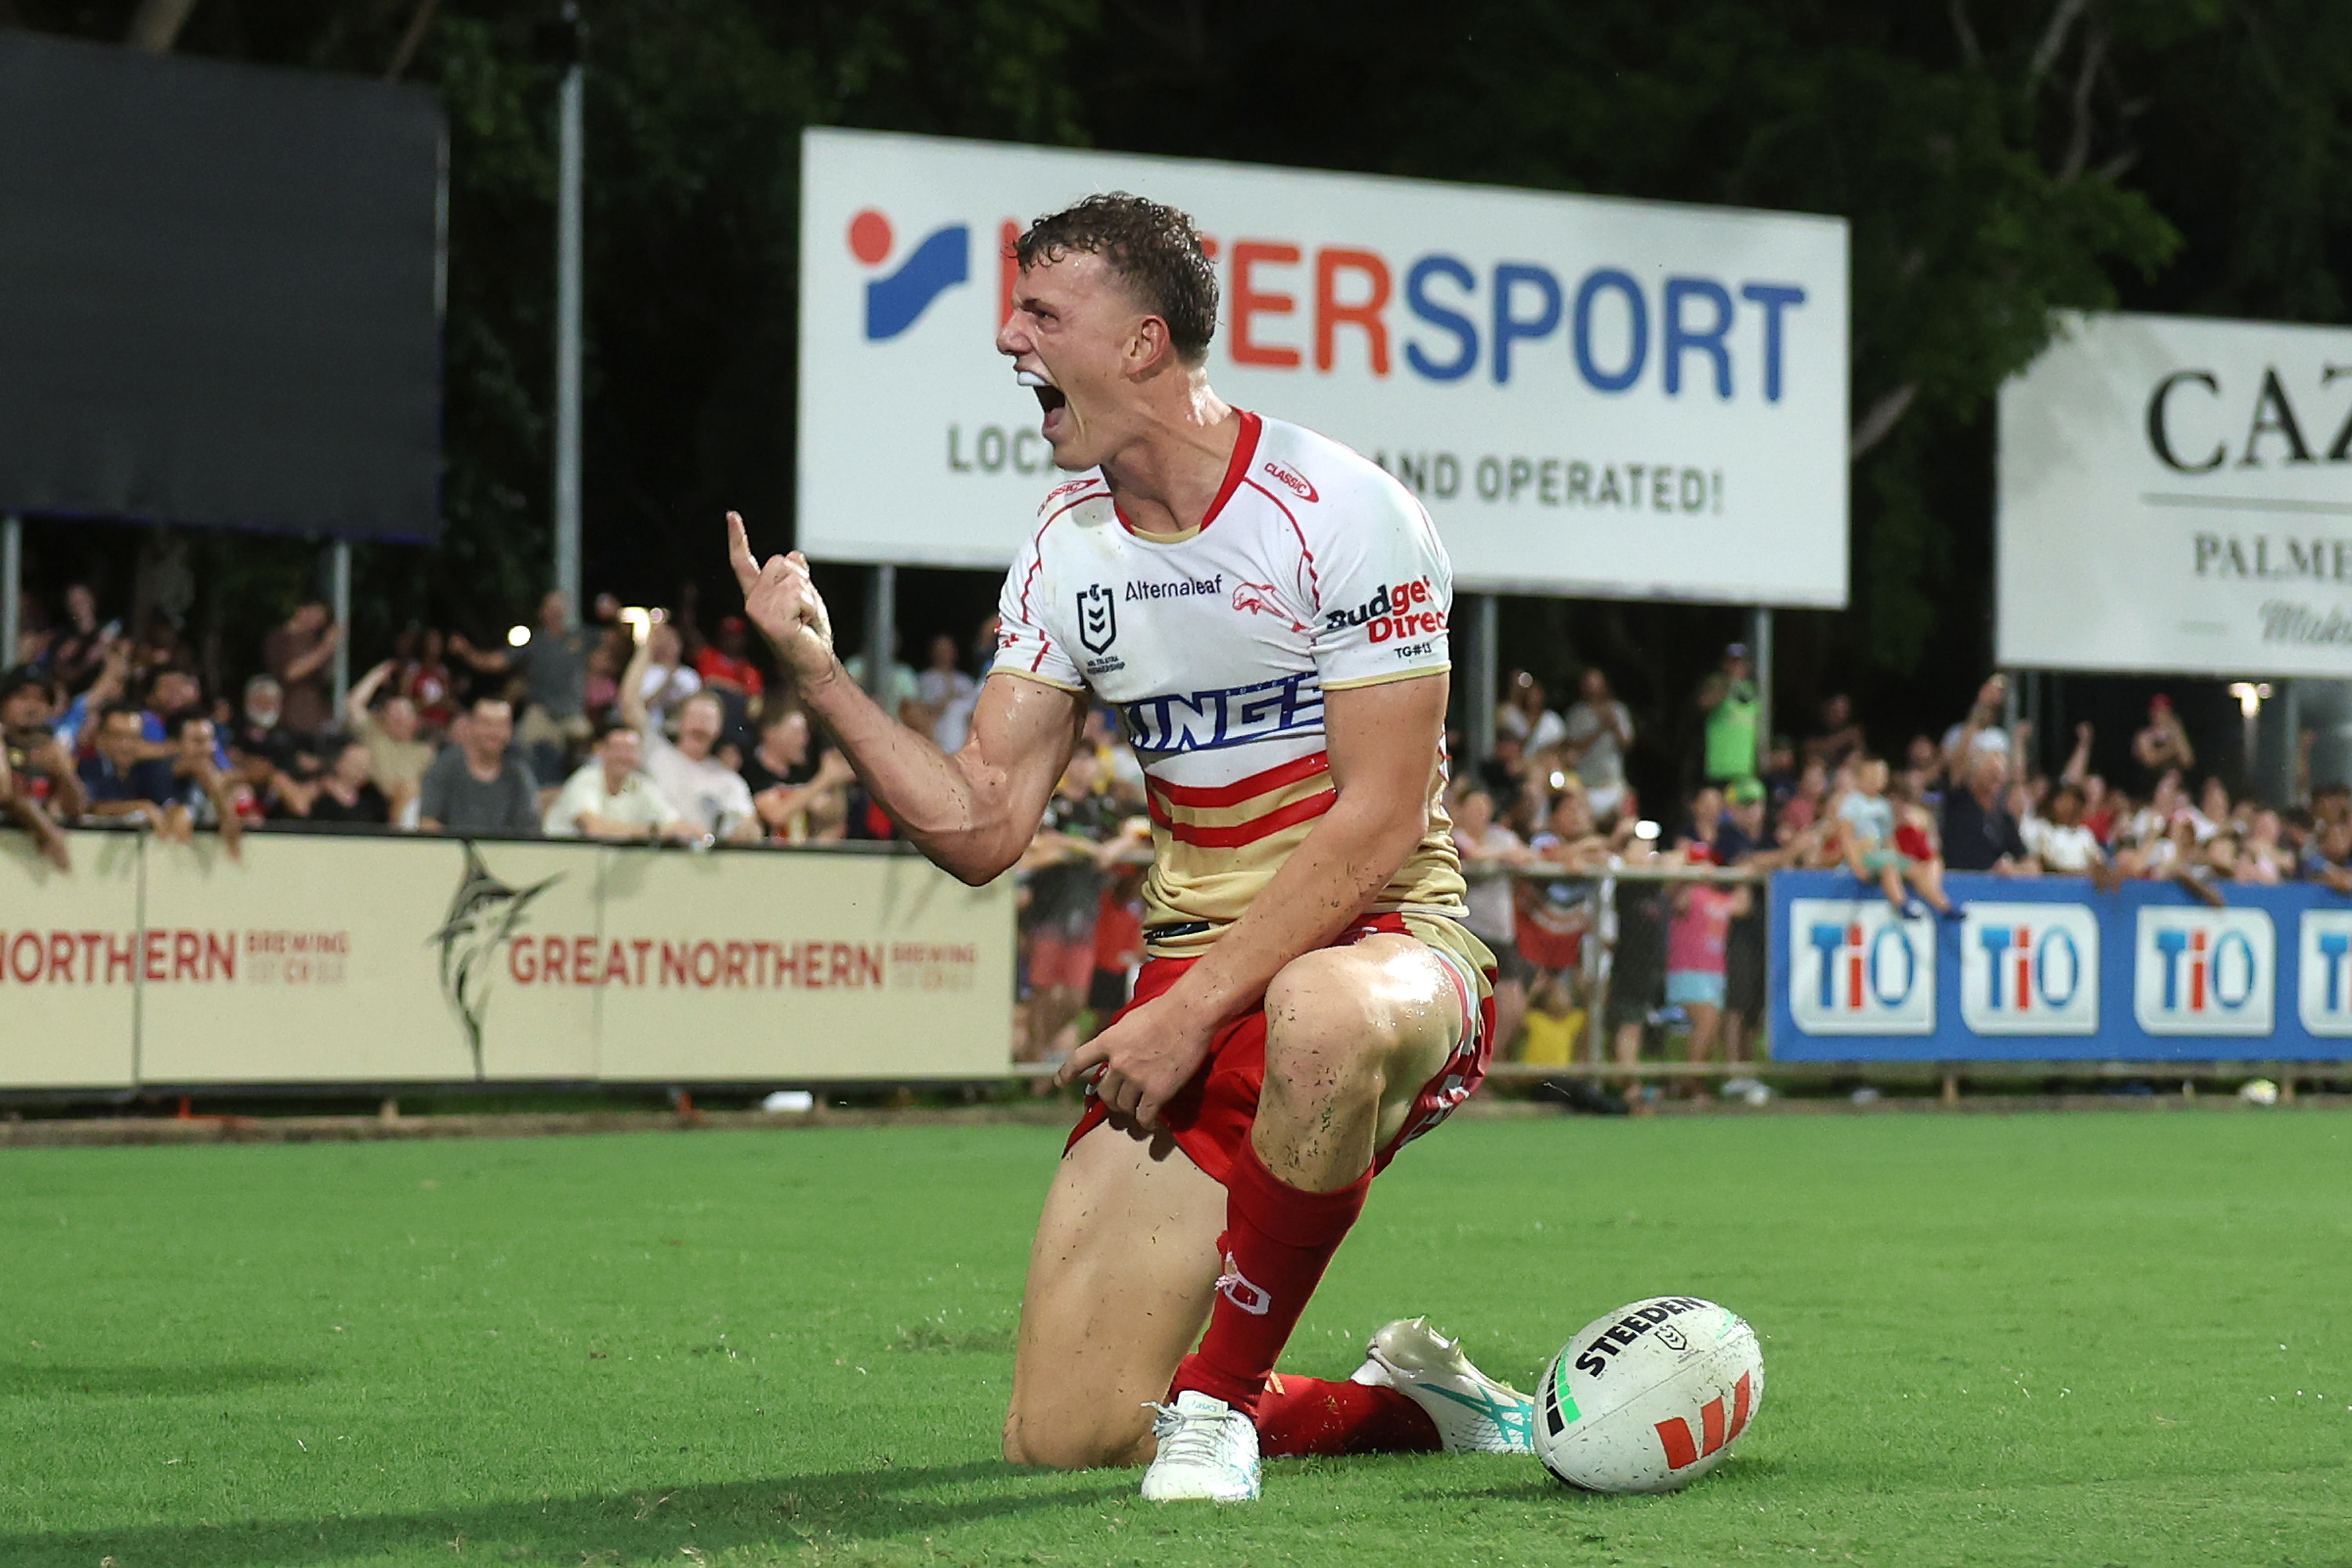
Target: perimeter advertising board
2050	969
1592	396
373	961
2175	496
77	1033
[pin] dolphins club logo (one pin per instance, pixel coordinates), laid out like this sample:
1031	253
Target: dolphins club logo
483	914
896	299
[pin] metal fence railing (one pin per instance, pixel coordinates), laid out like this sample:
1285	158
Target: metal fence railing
1637	969
1641	969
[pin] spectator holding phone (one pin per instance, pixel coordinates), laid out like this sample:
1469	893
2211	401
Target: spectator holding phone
2162	746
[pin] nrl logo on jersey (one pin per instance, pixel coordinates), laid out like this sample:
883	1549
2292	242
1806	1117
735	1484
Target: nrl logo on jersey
1098	618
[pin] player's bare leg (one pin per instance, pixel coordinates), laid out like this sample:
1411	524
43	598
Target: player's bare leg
1125	1262
1352	1035
1120	1277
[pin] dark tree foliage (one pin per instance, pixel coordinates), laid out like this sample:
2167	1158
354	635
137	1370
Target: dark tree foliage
1996	158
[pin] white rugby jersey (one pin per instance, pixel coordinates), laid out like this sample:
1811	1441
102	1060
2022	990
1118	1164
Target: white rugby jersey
1313	571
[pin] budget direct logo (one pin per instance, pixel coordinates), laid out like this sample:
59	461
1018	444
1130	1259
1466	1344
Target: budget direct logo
2030	969
2324	983
2204	971
897	299
1856	968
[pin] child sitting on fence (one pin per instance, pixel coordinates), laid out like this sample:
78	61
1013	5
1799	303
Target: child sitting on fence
1872	850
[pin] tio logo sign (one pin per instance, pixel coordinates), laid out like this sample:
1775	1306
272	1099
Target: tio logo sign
1856	968
2029	969
2204	971
2323	984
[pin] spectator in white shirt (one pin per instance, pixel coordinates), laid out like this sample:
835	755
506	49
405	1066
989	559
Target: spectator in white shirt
1524	716
946	694
1594	738
711	796
2060	840
610	797
662	679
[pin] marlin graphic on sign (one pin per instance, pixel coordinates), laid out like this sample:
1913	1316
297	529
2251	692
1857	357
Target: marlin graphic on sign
1098	618
482	916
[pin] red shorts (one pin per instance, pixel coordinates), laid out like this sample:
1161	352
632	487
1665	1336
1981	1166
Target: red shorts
1213	1114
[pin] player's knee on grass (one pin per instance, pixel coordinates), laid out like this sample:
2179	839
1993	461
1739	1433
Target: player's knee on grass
1081	1445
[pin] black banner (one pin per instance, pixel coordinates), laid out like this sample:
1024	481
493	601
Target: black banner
219	293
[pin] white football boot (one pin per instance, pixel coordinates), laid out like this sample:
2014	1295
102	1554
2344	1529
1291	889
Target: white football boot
1208	1452
1472	1412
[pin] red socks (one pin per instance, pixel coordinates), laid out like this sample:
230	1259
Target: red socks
1302	1415
1278	1242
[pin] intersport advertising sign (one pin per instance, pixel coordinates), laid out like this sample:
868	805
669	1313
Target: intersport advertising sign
1592	396
2176	496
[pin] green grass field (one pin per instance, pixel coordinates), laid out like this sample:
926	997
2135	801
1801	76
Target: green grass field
2078	1340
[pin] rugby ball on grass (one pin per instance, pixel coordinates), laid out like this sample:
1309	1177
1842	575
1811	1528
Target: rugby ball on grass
1649	1398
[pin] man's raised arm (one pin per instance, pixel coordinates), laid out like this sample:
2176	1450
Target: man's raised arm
971	814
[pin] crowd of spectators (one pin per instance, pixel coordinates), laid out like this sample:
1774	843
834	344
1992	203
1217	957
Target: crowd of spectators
618	728
642	729
1685	956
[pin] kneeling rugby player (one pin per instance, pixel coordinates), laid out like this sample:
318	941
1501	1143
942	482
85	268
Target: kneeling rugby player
1267	611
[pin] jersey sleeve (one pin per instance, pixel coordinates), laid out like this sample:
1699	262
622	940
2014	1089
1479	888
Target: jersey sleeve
1025	645
1384	591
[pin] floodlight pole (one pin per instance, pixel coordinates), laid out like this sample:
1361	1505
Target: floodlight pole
12	584
1478	733
338	575
881	632
1759	638
572	135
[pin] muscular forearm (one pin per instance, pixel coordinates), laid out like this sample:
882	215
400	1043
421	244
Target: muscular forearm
1325	885
934	802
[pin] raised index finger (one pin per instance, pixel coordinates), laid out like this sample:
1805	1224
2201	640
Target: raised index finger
738	553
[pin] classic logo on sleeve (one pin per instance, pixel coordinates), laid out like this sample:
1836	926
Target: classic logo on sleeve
2030	969
1856	968
2204	971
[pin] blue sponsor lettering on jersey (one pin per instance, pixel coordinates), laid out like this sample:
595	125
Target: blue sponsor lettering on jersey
1205	720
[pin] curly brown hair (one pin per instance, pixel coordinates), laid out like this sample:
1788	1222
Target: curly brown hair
1154	249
